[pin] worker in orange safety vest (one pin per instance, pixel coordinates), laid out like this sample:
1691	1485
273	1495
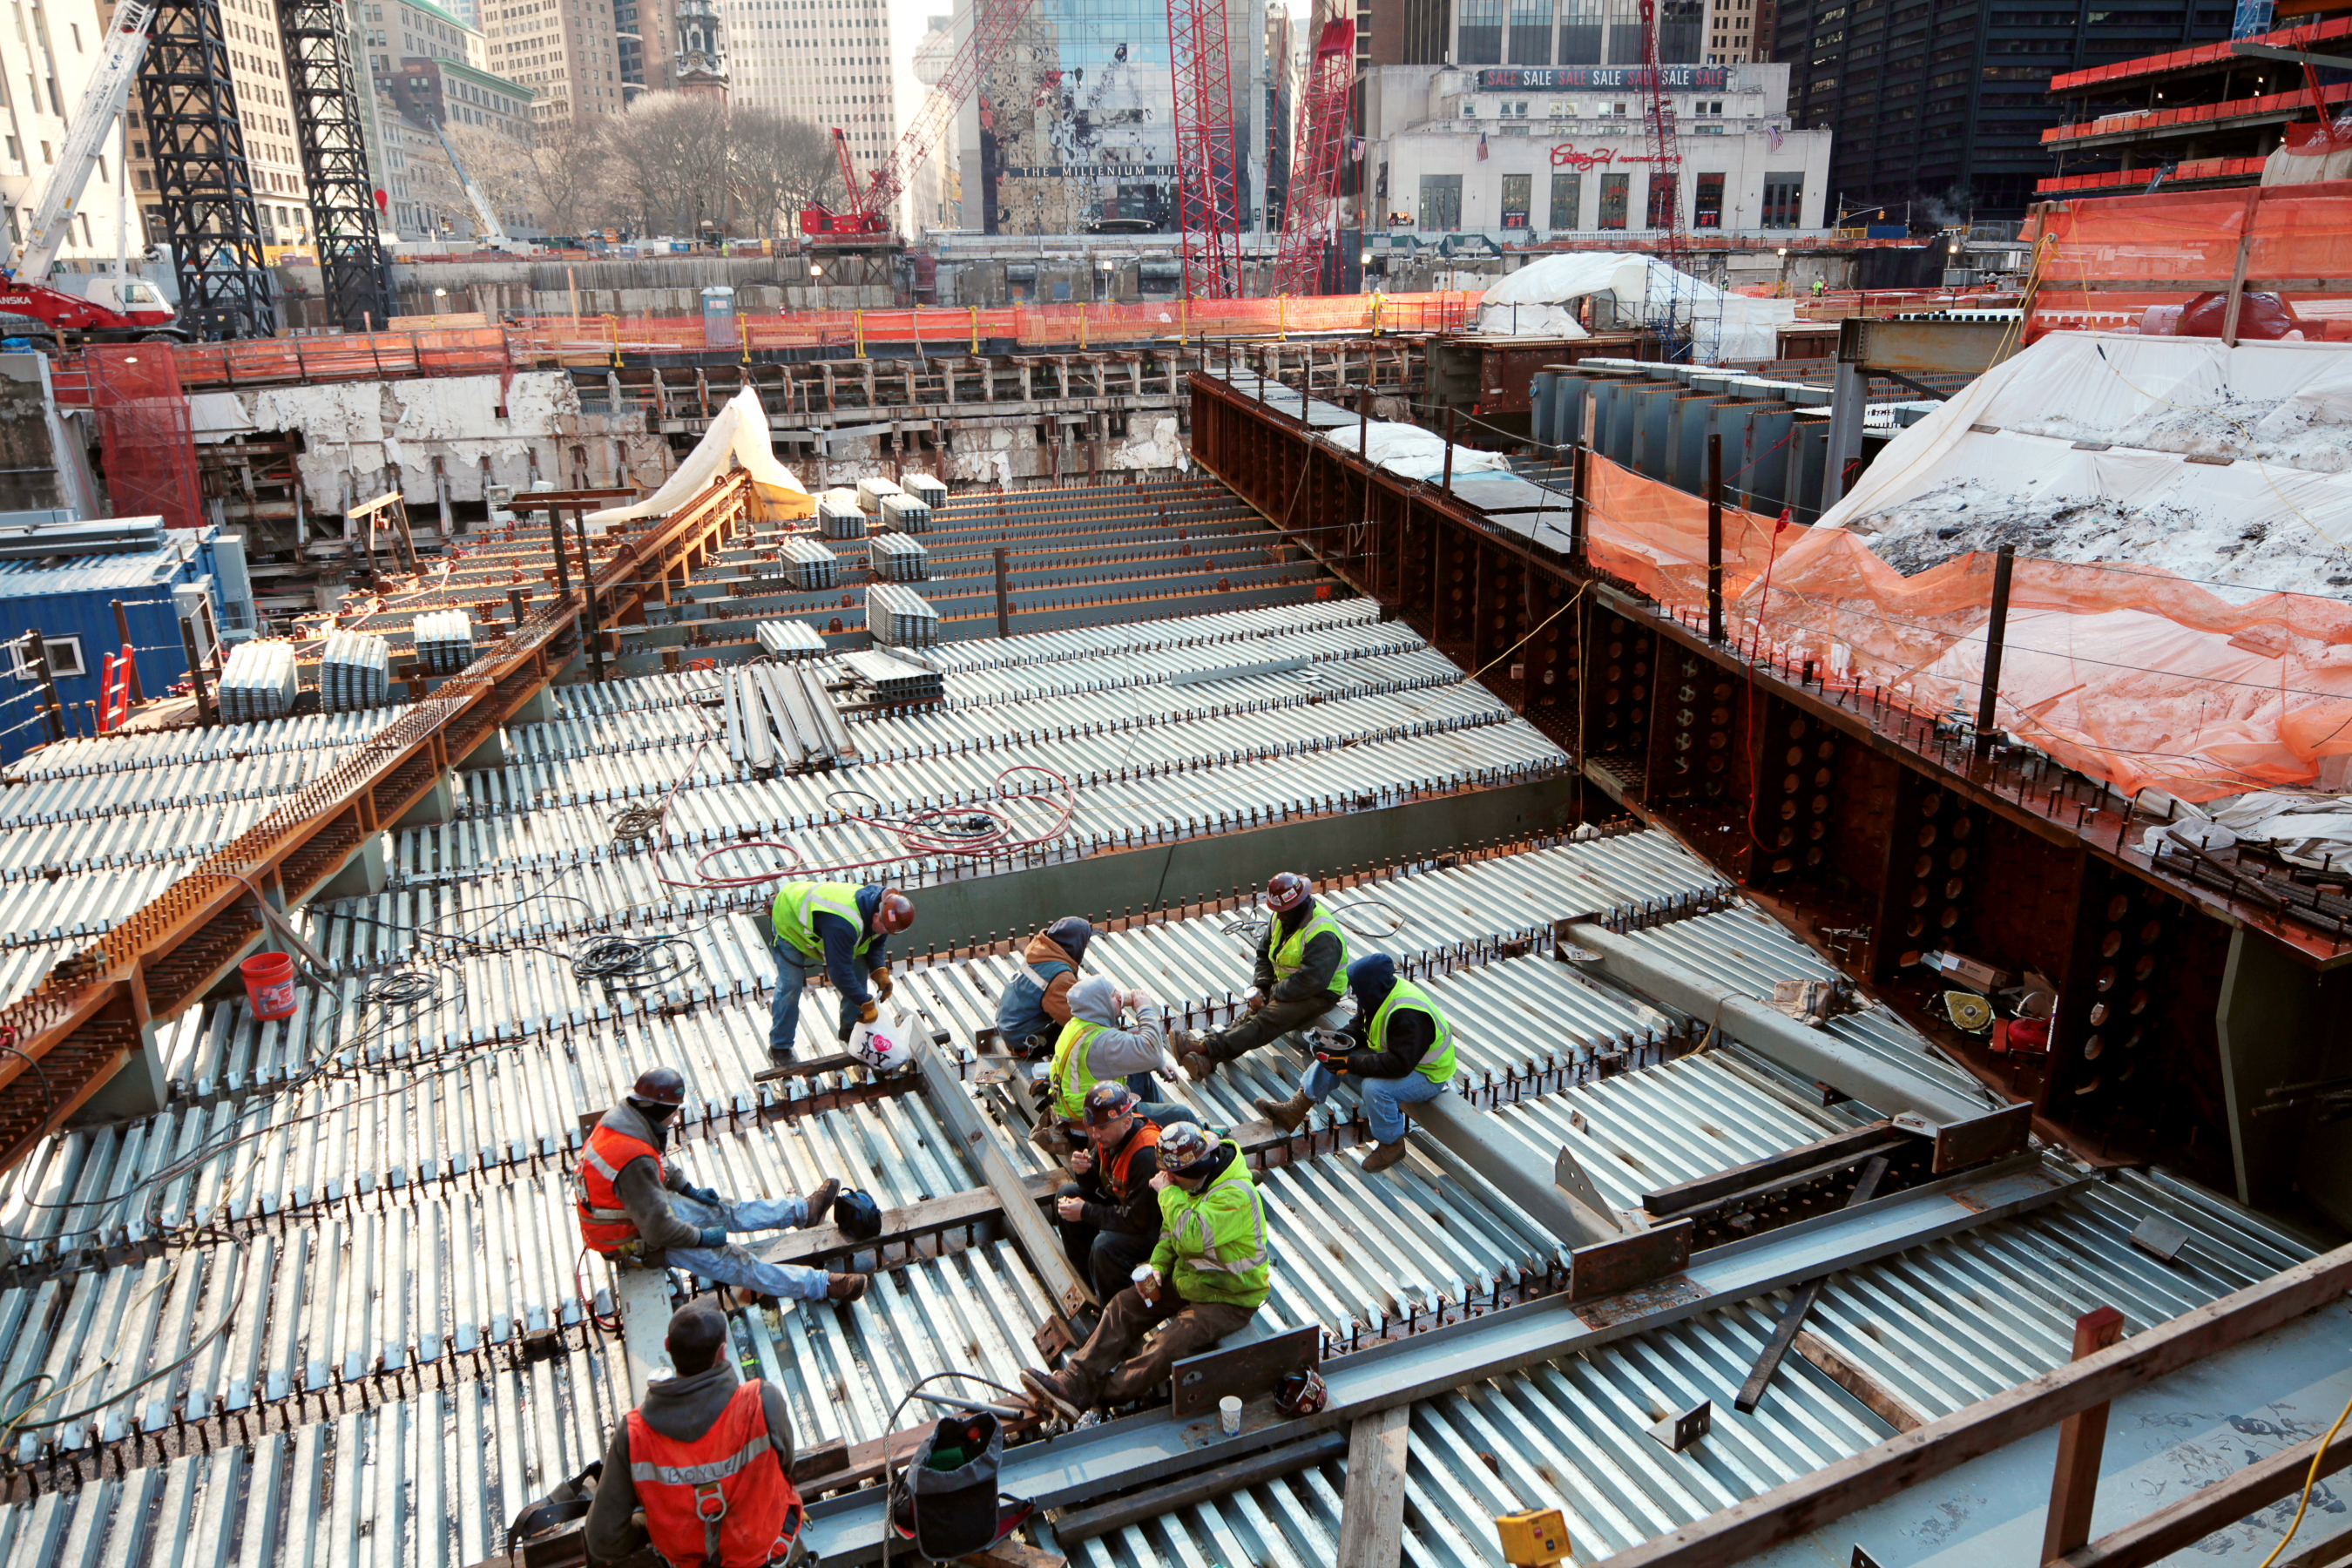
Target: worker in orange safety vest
701	1471
639	1209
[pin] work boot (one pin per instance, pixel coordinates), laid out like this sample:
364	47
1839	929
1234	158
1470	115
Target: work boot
1053	1392
1287	1114
846	1287
1382	1157
820	1201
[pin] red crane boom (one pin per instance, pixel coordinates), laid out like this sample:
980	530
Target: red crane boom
1207	194
1315	160
868	213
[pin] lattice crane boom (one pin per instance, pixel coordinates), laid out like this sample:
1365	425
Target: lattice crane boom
1208	194
103	98
1315	159
994	24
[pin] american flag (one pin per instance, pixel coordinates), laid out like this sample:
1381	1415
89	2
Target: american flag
1482	146
1773	137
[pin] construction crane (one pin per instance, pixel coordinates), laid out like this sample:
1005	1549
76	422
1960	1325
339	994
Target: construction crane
111	307
493	236
1665	214
1207	194
867	218
1315	161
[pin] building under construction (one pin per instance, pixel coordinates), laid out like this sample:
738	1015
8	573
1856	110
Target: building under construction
1870	818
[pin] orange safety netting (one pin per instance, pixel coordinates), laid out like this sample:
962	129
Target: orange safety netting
2184	243
2129	674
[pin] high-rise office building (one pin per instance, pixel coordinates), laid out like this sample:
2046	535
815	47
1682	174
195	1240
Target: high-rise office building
825	61
567	51
1940	108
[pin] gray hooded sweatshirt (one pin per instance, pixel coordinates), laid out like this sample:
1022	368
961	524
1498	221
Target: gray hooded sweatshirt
1118	1051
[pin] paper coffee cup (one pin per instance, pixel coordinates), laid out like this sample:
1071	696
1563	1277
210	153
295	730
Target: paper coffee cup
1229	1416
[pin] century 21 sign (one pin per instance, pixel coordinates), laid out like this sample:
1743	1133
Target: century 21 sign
1566	156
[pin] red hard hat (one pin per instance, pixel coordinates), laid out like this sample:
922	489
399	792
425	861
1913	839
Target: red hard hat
1288	890
895	912
660	1086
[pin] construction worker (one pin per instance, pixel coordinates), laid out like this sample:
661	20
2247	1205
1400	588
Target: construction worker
1036	1003
1398	1051
1298	977
702	1471
843	929
639	1209
1097	1045
1109	1216
1210	1272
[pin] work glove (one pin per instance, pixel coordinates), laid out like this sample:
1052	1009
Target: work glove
868	1012
881	978
1039	1087
714	1235
703	1194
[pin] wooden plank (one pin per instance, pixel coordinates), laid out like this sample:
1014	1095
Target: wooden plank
1879	1399
2216	1507
1802	1505
1010	1553
1100	1518
1371	1522
2082	1440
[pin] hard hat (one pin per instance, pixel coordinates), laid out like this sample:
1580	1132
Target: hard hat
858	1215
660	1086
1301	1393
1288	890
885	1045
895	912
1108	1101
1184	1146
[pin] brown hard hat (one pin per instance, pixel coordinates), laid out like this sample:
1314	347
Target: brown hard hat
1288	890
660	1086
895	912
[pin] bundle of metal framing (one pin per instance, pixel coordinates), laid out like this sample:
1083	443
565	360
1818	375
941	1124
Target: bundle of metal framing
887	678
838	515
895	558
873	491
789	639
905	514
924	489
900	616
782	717
259	682
810	564
354	672
445	640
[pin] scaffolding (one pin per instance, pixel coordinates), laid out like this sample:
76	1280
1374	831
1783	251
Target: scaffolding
329	124
202	177
145	433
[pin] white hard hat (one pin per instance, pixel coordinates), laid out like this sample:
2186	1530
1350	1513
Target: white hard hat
885	1045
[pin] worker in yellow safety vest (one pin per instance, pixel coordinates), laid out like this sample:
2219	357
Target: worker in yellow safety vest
1296	980
1398	1052
843	929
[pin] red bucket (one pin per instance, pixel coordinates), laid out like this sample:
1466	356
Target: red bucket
269	984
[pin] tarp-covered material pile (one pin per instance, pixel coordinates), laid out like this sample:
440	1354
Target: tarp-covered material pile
2116	663
1539	300
738	438
1411	451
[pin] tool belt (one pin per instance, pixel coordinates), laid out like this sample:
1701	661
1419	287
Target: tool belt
631	1254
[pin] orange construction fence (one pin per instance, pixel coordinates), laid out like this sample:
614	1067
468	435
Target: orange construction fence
2125	673
590	340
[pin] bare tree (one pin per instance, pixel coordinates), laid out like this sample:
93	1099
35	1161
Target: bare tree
571	171
502	168
781	165
670	156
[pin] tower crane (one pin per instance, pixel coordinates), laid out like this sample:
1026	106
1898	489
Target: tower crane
111	307
1666	215
1207	193
1315	160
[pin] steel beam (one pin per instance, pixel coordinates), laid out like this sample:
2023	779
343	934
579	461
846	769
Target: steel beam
1095	1461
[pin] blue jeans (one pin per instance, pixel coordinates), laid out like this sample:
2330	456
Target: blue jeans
1383	1096
735	1265
795	969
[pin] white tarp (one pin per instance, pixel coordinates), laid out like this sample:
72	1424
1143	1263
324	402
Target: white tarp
2079	449
1412	452
738	438
1539	300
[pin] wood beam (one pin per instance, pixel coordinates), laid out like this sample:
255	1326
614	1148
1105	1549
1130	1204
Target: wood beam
2216	1507
1372	1521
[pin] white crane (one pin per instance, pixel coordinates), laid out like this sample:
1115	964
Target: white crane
108	91
494	233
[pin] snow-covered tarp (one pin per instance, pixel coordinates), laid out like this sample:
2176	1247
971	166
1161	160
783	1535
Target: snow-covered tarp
2231	466
1539	300
738	438
1412	452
